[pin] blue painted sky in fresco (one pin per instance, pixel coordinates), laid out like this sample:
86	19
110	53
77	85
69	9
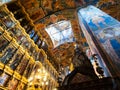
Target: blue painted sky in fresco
104	27
96	19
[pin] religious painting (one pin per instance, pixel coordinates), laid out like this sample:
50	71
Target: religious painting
31	48
28	4
36	37
31	33
4	78
110	39
17	33
23	64
3	14
2	25
13	83
16	59
80	2
105	3
3	43
29	68
44	46
41	56
47	6
26	43
13	31
70	3
97	20
105	28
35	53
20	86
93	50
8	53
40	25
37	14
98	3
56	21
28	28
39	42
8	22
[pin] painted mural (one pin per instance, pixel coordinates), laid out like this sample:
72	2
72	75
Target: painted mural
105	28
38	9
92	50
50	6
98	3
64	22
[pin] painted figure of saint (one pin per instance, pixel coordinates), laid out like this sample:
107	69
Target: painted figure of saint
16	61
5	58
3	43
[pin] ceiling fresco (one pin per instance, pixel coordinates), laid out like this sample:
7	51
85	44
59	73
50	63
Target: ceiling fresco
41	12
65	50
38	9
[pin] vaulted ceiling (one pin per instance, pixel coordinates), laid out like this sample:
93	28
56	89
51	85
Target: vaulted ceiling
40	12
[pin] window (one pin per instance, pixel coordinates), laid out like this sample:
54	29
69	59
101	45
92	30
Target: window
60	32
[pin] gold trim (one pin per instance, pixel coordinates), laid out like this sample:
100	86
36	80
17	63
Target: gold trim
7	36
1	66
8	70
17	75
24	80
1	29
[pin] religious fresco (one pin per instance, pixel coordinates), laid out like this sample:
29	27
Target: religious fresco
92	50
98	3
38	9
50	6
57	21
97	20
105	28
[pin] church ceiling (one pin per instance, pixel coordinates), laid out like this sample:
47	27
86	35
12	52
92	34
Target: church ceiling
65	50
41	12
38	9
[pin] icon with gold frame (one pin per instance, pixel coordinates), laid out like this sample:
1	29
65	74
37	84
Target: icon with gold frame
3	14
3	11
3	43
2	25
35	53
4	78
29	68
21	86
31	33
23	64
31	48
8	21
8	52
13	83
17	33
26	43
16	58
